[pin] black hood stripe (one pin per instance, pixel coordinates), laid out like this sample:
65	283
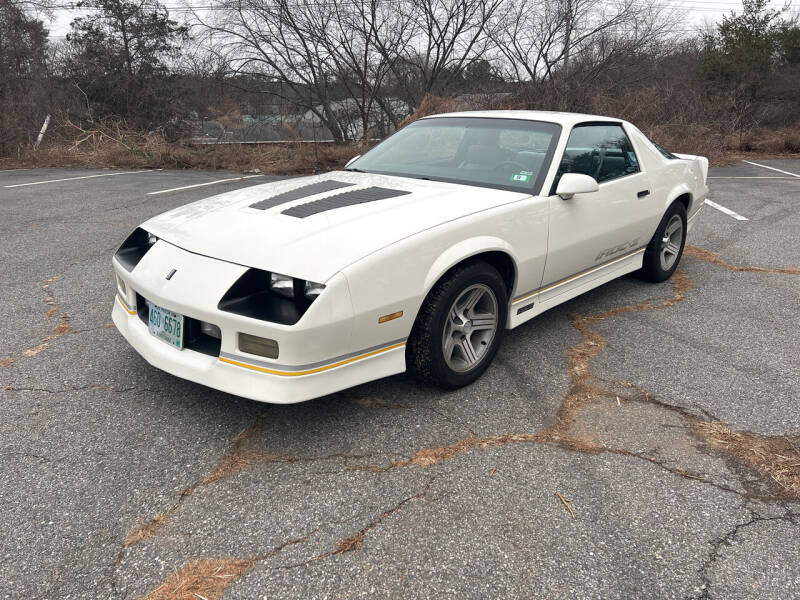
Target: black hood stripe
370	194
303	191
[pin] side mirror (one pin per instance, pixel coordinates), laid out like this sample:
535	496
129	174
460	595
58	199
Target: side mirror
352	160
575	183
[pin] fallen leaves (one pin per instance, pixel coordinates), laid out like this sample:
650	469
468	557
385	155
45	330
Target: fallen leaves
775	458
203	579
566	503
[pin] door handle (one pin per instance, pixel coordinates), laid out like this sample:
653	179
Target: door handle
643	193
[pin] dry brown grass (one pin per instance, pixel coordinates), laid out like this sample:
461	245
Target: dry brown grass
713	258
152	152
201	579
112	145
783	140
776	458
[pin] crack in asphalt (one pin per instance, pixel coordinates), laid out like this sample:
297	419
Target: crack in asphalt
202	578
240	456
79	388
60	329
209	578
373	402
713	258
582	392
717	544
353	542
585	389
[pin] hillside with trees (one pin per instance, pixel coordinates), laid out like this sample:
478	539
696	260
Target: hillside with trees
140	83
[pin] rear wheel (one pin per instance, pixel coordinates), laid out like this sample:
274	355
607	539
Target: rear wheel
663	253
459	327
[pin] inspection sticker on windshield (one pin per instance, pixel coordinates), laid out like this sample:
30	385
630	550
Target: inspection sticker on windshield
522	176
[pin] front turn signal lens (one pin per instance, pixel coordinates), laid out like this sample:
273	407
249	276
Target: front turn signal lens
253	344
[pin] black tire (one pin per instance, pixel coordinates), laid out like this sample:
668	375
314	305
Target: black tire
425	358
653	267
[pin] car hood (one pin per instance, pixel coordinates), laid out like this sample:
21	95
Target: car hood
316	247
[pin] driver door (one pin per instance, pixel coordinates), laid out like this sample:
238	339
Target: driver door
591	230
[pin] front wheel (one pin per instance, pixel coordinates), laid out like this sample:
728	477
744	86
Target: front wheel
663	253
459	327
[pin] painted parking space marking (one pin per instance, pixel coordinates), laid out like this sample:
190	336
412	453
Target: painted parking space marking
752	177
772	168
197	185
727	211
16	185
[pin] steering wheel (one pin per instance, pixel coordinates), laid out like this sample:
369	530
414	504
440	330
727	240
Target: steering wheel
512	163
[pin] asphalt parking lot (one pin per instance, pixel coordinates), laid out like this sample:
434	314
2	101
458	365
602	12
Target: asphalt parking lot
640	441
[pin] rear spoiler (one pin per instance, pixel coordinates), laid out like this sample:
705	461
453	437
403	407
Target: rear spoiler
701	159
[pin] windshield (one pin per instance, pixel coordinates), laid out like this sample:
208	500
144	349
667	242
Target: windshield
506	154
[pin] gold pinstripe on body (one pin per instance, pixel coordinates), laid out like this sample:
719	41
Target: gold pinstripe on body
310	371
571	277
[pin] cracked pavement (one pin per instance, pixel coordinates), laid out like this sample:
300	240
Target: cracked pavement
665	416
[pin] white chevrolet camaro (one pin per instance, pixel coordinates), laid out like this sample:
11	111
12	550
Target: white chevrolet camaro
417	256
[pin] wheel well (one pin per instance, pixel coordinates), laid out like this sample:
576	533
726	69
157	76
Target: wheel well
499	260
684	199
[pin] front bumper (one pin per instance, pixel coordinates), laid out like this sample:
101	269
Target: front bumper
316	357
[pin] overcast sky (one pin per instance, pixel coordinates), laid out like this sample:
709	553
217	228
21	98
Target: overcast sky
698	13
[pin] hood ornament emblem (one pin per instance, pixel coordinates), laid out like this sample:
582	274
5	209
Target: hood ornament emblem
171	273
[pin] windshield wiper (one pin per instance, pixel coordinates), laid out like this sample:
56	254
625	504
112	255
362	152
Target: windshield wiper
354	170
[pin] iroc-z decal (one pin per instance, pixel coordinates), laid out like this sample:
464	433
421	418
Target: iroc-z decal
615	250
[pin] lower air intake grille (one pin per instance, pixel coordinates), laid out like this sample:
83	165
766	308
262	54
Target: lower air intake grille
370	194
303	191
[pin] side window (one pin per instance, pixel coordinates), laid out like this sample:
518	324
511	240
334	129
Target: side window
600	151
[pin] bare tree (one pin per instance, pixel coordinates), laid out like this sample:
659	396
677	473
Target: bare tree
360	29
279	41
447	35
538	37
23	68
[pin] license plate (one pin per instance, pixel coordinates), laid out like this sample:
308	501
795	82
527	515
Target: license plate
166	325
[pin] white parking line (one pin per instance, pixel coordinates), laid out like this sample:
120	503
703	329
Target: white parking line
81	177
197	185
772	168
727	211
751	177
